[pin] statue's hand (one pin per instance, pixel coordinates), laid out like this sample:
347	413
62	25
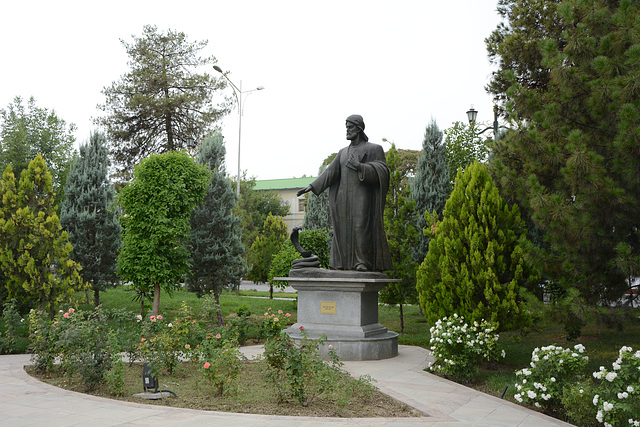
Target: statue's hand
304	190
354	164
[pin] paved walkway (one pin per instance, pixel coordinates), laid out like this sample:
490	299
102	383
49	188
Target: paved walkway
25	401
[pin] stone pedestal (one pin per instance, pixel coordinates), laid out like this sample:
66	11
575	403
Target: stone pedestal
344	307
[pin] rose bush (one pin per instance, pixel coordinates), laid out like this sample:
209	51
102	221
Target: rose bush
458	347
618	390
551	369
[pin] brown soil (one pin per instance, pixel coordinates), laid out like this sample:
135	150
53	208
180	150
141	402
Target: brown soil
254	395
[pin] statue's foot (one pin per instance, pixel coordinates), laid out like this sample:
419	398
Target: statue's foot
361	267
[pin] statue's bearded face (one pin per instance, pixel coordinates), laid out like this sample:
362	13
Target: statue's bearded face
352	131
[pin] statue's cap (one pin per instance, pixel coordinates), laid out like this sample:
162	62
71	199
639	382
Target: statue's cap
357	120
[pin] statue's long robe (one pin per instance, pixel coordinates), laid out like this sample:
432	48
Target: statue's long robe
356	201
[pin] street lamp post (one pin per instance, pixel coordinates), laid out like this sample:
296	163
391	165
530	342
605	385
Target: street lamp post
238	92
473	114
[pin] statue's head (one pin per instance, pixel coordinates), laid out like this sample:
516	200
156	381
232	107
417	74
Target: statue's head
355	127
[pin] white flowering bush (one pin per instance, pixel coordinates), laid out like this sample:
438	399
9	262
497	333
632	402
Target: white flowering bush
618	398
551	369
458	347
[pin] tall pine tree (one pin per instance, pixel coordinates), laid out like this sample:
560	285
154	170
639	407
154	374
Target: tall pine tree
216	236
90	218
430	187
570	69
34	250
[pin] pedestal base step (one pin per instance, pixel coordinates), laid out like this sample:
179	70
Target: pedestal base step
382	346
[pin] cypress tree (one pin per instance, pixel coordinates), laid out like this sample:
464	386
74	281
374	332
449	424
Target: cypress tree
216	236
475	265
34	250
431	187
89	217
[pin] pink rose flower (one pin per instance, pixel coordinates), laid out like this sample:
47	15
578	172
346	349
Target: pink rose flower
330	346
276	319
66	315
218	335
206	365
71	310
152	318
159	317
279	311
187	346
287	315
301	327
143	340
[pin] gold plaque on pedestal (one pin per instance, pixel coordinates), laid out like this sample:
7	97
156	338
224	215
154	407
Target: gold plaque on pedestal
327	307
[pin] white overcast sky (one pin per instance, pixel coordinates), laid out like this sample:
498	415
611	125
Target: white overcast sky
397	63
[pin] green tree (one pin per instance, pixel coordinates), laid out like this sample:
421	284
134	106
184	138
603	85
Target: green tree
464	146
162	100
570	70
30	130
254	207
34	250
402	235
265	247
431	185
216	237
475	265
89	217
157	206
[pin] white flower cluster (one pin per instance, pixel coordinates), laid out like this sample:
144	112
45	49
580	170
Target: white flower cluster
617	393
457	345
550	369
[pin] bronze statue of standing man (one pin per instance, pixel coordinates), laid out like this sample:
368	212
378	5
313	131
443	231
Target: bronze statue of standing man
358	180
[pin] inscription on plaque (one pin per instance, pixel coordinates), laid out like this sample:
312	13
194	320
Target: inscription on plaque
327	307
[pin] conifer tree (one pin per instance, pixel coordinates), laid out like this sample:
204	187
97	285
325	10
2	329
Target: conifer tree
216	237
29	130
430	187
475	265
570	69
402	236
34	250
89	217
164	98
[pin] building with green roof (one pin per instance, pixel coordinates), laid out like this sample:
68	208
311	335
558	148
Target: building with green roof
287	189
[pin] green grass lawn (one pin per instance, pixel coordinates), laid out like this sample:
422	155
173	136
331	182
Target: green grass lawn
121	297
